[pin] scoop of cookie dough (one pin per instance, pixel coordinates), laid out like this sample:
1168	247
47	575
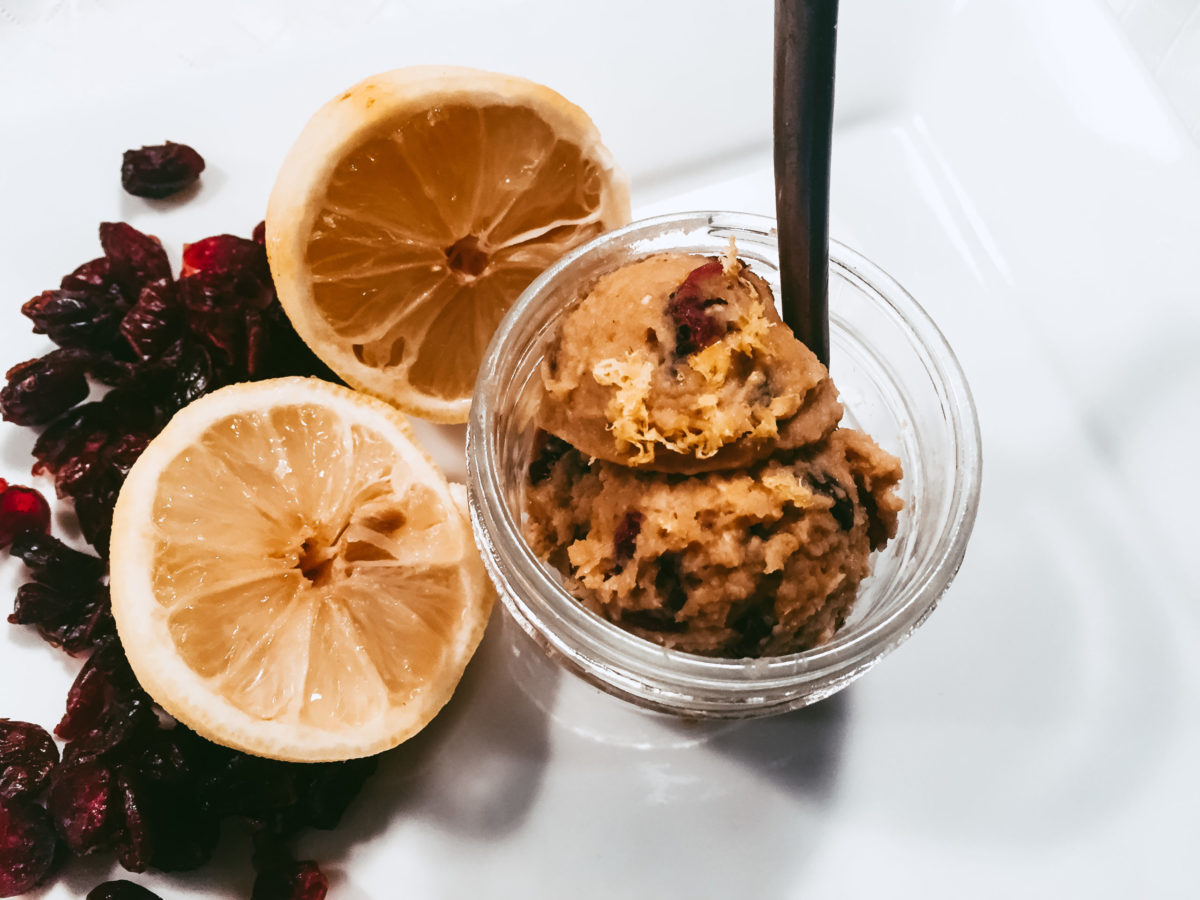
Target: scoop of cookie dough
680	363
757	562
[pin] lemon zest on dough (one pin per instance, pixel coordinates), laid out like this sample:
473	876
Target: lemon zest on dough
628	418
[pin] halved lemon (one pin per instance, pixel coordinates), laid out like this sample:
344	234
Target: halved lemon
413	210
291	576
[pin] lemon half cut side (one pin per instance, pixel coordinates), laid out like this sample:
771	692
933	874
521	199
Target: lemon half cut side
414	209
292	576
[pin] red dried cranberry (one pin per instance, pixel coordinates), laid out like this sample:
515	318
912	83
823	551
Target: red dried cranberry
291	881
689	307
76	318
121	890
39	390
224	253
154	322
160	170
259	235
22	509
27	846
135	842
134	259
73	619
625	538
27	754
83	805
94	276
54	563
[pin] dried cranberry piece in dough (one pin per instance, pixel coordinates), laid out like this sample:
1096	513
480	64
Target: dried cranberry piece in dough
160	170
625	538
689	308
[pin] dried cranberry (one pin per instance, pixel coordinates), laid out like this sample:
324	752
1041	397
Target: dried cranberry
27	754
291	881
87	698
625	538
27	846
154	322
121	890
552	449
76	318
94	276
68	436
260	233
689	307
135	842
83	805
225	253
56	564
134	259
160	170
189	376
39	390
74	619
22	509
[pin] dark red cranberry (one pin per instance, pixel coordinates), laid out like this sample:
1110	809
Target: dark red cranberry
134	259
54	563
160	170
27	846
27	755
39	390
155	321
74	618
84	318
291	881
260	233
625	538
22	509
135	840
550	451
83	805
121	890
94	276
224	253
690	305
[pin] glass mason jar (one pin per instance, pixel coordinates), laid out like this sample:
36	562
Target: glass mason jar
899	382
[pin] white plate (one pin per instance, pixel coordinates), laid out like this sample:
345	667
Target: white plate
1015	168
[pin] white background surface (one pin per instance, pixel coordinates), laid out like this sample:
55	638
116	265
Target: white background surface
1017	168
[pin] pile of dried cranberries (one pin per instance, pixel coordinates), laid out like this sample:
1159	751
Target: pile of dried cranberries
130	780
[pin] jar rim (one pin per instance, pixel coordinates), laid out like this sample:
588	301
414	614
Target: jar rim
601	650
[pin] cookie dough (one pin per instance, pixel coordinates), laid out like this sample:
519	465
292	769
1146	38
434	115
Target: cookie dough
679	363
690	481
